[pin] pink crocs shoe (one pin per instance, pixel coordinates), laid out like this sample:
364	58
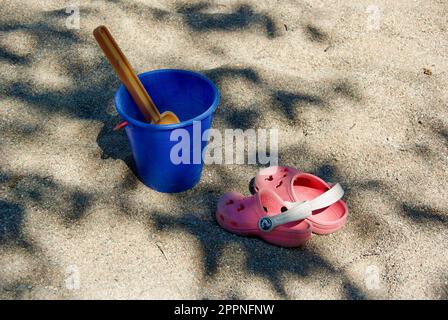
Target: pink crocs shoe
267	216
293	185
256	216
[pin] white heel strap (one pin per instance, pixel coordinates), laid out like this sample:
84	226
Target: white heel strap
326	199
301	210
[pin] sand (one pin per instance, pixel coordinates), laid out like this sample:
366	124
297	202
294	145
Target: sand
356	90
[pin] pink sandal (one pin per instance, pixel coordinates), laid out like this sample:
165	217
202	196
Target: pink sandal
267	216
293	185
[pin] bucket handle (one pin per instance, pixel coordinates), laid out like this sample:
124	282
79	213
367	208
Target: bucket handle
120	125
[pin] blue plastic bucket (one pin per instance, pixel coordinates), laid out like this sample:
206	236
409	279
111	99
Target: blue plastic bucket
193	98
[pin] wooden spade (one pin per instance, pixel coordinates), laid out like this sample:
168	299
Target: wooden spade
130	80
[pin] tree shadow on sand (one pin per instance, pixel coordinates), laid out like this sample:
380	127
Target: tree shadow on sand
68	203
92	95
261	259
244	17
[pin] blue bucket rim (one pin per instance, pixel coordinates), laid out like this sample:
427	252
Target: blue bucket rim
203	115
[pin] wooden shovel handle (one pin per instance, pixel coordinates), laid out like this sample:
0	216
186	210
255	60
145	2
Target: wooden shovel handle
126	74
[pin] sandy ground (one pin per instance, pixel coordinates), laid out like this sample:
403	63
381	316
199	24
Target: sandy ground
358	96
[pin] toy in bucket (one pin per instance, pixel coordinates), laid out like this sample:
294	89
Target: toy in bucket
192	98
128	77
